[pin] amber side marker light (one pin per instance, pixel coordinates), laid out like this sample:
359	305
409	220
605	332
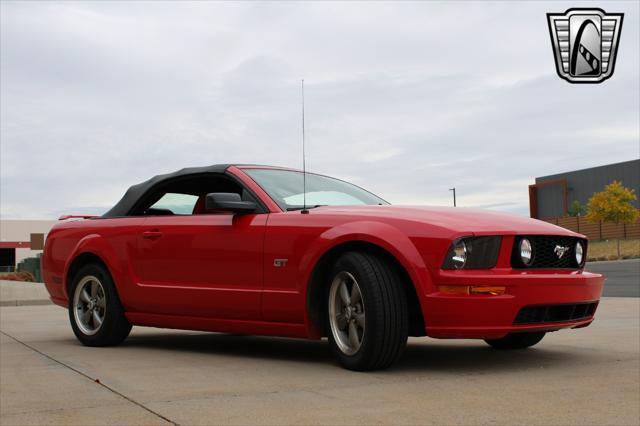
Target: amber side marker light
471	289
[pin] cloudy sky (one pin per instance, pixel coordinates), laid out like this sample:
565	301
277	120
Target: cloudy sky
405	99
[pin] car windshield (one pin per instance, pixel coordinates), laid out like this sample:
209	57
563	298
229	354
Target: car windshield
285	187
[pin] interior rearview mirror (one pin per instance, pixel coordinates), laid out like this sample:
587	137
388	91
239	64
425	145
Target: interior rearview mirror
229	201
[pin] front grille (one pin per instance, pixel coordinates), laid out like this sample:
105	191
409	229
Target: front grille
555	313
545	253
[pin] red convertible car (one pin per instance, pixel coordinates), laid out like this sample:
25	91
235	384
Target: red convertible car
244	249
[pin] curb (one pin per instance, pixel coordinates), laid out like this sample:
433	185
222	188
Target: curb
17	293
36	302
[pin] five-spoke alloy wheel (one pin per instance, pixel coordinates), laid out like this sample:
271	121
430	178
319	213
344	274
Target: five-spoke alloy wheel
89	304
95	312
367	314
346	313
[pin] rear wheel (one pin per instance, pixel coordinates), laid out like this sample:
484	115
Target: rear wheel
95	312
367	315
516	340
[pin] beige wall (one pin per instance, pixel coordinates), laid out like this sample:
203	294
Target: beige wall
21	230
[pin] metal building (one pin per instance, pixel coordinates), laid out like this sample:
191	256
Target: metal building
551	195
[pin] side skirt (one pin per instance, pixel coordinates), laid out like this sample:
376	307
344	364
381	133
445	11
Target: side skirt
219	325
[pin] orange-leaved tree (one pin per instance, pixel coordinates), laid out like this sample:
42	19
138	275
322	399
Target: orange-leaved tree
613	205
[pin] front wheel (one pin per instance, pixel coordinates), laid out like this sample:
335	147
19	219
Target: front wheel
95	312
516	340
367	312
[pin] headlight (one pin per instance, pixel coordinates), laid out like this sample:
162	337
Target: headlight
526	252
473	253
579	253
459	255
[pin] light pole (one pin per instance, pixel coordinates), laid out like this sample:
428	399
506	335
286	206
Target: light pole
454	195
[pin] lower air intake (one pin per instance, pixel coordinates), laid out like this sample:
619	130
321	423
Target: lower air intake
555	313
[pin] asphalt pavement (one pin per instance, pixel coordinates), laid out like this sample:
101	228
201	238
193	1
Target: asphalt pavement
623	277
588	376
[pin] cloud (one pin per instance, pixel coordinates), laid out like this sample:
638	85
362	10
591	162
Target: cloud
407	100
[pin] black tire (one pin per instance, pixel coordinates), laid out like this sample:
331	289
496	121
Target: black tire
516	340
115	327
386	319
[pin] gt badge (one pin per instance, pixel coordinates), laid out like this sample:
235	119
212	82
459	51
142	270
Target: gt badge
278	263
560	251
585	43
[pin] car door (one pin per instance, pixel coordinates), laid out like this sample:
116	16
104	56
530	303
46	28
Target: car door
202	265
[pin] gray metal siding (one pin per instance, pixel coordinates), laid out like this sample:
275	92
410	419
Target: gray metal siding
582	184
553	201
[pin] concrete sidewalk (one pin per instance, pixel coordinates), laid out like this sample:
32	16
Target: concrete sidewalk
588	376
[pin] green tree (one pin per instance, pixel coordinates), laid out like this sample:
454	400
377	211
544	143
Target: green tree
613	205
576	209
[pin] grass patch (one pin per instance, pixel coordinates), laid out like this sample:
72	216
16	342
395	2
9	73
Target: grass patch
606	249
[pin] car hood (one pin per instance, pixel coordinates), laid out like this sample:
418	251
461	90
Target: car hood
456	219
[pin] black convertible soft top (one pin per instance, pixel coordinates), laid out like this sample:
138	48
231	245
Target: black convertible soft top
134	193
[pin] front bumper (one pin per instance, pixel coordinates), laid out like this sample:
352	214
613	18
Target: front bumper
492	317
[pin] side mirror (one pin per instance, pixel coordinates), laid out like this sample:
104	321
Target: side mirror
228	201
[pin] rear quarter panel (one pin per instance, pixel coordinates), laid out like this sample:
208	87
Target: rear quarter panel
113	241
